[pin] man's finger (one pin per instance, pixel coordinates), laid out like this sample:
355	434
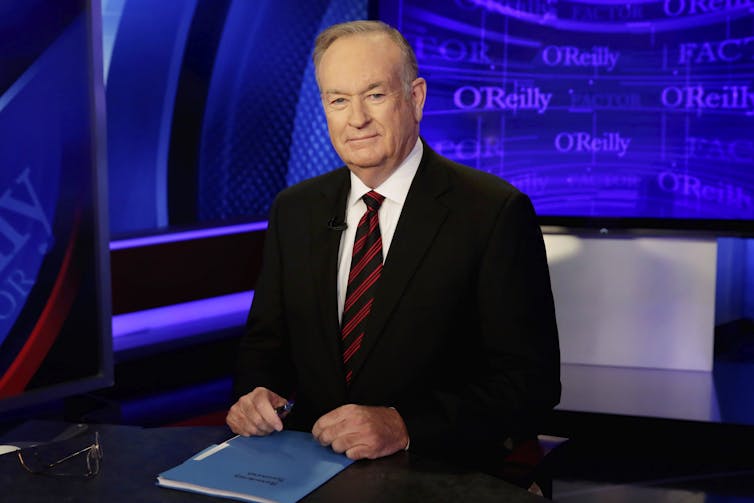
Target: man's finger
359	451
269	418
347	441
254	413
340	431
332	417
260	409
326	422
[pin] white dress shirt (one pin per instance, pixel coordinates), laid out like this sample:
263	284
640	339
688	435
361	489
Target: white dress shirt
395	190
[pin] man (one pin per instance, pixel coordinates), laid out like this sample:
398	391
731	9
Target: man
455	347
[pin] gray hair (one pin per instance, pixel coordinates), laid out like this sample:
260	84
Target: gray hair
330	35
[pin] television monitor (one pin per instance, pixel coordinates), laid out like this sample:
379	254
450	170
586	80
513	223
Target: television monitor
55	336
608	114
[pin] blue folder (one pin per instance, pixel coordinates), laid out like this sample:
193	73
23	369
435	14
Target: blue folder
282	467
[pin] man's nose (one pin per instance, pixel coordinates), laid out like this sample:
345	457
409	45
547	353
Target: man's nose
359	116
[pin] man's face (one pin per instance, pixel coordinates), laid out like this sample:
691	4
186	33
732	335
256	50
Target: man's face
373	125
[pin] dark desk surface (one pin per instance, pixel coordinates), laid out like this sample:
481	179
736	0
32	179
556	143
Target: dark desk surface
133	456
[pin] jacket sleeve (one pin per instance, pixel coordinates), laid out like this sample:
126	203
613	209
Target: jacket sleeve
263	356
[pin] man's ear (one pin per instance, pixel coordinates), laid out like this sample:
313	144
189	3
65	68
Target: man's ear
418	96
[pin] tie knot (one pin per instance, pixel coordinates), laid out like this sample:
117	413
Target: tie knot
373	200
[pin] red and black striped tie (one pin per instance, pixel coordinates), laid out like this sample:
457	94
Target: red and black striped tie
366	267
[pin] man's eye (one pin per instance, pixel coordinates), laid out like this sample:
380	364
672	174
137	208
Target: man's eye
337	101
377	96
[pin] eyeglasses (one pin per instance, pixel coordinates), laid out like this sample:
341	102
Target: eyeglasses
46	459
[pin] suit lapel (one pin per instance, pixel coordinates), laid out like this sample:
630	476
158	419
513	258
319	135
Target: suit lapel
420	220
324	265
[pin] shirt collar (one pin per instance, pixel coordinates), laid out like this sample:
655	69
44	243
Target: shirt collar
396	186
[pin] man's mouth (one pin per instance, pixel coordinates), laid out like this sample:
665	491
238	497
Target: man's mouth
361	138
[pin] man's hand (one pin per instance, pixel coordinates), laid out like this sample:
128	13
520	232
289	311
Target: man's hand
254	413
361	431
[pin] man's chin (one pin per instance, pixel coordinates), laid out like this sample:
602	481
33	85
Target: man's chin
365	161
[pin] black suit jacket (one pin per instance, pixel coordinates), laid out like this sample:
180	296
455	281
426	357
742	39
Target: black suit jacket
461	339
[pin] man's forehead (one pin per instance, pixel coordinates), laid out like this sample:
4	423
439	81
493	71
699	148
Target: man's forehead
357	63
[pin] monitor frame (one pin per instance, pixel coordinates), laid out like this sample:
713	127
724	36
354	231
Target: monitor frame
104	377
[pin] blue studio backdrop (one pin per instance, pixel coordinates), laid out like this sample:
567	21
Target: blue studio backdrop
212	106
627	114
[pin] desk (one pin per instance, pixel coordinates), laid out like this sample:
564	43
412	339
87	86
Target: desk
133	456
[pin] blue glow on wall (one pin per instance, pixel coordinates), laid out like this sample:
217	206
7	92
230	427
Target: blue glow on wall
112	10
263	126
141	88
258	128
